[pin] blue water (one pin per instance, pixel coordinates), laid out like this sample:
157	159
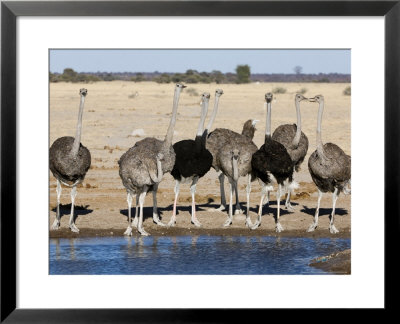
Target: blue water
190	255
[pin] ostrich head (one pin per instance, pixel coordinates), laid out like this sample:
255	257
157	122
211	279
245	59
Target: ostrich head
235	154
268	97
160	156
205	97
180	86
317	98
219	92
83	92
299	97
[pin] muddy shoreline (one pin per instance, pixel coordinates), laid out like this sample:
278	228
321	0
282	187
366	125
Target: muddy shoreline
176	231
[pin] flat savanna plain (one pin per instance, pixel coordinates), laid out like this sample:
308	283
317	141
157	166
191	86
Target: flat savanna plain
116	111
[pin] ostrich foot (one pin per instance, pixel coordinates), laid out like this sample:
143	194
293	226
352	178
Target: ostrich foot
157	220
289	207
135	222
143	232
56	225
312	227
249	223
333	229
278	227
257	224
128	231
227	222
238	211
172	222
74	228
196	222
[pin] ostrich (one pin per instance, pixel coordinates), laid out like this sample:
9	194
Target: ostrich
217	139
234	160
142	166
330	169
69	162
272	159
295	142
192	162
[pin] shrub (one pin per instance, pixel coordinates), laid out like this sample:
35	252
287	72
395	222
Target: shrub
192	92
347	91
302	91
243	74
279	90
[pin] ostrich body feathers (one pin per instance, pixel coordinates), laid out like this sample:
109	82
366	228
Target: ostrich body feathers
66	168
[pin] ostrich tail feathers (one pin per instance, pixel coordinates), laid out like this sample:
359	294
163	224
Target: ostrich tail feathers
292	185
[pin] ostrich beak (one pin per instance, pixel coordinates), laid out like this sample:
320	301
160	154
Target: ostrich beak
255	121
311	99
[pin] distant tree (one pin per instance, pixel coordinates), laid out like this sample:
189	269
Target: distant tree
298	69
138	77
163	78
243	73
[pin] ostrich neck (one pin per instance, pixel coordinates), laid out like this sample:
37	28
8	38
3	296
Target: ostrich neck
296	139
268	122
235	169
320	146
171	127
77	140
159	171
200	128
214	114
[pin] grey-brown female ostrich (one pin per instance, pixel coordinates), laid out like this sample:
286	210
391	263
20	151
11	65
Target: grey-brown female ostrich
142	166
330	169
294	140
69	162
217	139
272	161
234	160
192	162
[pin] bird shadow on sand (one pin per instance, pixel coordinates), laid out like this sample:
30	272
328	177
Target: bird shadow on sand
324	211
78	210
270	208
181	207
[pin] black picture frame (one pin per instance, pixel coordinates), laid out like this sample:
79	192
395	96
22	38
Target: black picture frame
10	10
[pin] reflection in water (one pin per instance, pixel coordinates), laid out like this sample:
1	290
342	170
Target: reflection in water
189	255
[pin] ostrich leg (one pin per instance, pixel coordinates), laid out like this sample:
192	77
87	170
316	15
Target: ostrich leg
288	205
264	192
142	196
72	225
56	224
231	189
193	192
248	190
156	218
129	200
238	209
135	220
221	178
176	190
314	225
332	227
278	226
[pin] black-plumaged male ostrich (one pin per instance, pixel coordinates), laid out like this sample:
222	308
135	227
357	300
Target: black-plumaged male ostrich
192	162
295	142
272	161
141	169
69	162
330	169
217	139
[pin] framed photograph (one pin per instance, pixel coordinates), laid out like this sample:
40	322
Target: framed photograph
118	66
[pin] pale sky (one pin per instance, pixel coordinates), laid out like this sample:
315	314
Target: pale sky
260	61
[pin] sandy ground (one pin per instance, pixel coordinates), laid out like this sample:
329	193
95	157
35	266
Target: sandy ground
114	110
